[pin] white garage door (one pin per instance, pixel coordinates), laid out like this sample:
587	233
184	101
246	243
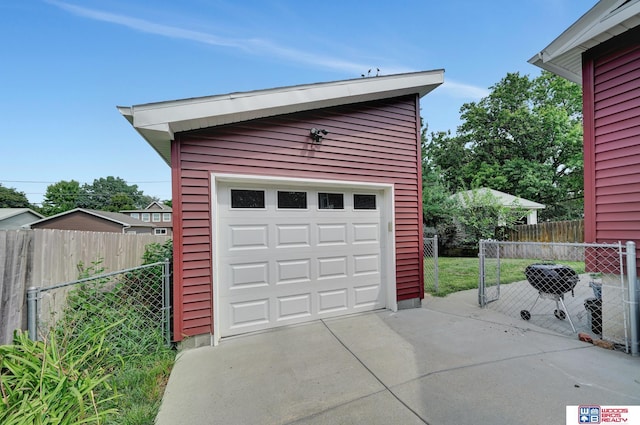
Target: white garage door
290	254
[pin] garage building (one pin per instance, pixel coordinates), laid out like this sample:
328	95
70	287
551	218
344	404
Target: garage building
292	204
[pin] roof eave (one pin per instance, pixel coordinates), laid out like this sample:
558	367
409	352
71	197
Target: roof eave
569	74
603	21
158	122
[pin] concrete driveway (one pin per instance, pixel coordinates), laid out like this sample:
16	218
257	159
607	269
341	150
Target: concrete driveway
449	362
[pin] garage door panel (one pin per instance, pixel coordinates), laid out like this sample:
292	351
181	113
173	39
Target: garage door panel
367	296
332	301
279	267
248	237
366	264
293	271
254	313
293	307
248	275
293	235
332	234
332	267
366	233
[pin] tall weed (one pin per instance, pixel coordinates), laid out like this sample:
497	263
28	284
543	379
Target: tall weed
55	381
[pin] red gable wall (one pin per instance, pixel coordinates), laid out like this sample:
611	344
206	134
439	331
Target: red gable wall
370	142
611	101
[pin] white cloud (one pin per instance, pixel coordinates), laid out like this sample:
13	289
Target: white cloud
258	46
463	91
150	27
253	45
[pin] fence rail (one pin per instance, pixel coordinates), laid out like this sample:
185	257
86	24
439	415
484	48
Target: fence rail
567	288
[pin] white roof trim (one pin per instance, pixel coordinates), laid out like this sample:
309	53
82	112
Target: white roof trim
605	20
158	122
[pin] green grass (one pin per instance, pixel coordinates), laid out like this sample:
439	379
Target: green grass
459	274
140	385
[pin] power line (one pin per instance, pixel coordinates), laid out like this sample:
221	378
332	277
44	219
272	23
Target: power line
43	182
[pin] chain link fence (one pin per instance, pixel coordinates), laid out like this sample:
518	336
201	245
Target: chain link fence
135	301
430	263
566	288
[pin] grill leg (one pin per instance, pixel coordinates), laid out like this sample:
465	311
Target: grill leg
564	307
534	303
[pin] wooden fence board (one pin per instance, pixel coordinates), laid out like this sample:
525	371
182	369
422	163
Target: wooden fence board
556	231
16	255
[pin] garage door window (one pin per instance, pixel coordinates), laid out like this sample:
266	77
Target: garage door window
364	202
292	200
331	201
247	198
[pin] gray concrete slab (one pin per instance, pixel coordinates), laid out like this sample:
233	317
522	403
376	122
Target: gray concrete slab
268	378
449	362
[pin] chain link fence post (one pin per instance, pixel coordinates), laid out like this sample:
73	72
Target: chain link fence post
33	294
166	307
435	259
481	287
633	296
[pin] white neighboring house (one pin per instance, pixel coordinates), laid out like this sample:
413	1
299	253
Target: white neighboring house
508	201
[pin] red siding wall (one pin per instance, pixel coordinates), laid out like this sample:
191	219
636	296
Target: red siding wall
371	142
611	90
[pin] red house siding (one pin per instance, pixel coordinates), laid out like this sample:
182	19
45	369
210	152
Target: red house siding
370	142
611	90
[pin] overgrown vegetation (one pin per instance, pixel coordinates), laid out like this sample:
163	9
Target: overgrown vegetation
459	274
56	381
104	361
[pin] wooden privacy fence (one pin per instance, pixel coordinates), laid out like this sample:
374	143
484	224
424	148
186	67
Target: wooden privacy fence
556	231
44	257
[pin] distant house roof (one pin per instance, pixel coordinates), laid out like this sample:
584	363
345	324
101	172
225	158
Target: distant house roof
154	206
504	198
158	122
6	213
115	217
605	20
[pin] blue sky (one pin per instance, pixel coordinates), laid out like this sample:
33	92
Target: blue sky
66	64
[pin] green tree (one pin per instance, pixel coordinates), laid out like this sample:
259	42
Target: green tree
437	205
12	198
63	196
106	194
524	138
479	213
114	194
